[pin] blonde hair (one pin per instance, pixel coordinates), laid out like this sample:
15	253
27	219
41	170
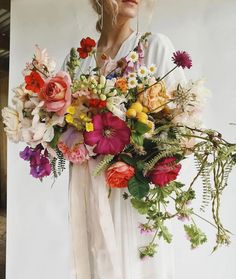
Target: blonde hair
109	6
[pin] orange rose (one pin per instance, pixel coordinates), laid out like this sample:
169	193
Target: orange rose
119	174
121	84
155	97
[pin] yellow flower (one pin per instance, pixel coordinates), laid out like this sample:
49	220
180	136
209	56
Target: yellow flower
71	110
69	118
89	127
131	113
137	106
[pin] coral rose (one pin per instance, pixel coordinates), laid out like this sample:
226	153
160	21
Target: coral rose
56	93
155	97
119	174
164	171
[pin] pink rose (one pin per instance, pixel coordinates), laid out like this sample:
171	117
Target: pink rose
56	93
119	174
164	171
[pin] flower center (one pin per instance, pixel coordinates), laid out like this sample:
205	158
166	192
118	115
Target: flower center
108	132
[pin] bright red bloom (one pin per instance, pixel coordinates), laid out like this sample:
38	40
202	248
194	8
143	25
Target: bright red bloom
97	103
182	59
110	134
87	46
164	171
34	82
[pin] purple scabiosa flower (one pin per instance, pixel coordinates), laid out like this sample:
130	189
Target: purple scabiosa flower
182	59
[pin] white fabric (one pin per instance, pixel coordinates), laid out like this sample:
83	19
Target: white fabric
105	235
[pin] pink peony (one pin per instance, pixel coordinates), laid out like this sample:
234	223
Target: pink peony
72	147
56	93
164	171
119	174
110	134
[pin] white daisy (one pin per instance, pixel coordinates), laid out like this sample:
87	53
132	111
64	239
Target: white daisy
143	72
152	69
132	75
132	82
133	56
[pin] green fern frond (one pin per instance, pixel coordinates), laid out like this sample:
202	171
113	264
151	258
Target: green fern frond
103	164
163	154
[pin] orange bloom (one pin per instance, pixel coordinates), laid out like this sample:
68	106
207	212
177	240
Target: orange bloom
119	174
121	84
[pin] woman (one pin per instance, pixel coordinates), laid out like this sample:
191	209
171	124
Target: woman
105	235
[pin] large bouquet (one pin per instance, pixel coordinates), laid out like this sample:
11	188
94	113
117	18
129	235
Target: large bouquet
141	131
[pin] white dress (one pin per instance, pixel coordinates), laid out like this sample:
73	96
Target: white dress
104	232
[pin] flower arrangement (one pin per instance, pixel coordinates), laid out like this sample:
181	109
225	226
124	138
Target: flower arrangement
141	130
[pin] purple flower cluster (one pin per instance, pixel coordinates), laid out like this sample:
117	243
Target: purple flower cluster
145	229
39	162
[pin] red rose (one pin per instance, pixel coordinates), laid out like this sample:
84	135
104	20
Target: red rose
87	46
164	171
34	82
119	174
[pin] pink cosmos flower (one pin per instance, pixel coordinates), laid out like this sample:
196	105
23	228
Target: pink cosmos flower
164	171
72	147
182	59
110	134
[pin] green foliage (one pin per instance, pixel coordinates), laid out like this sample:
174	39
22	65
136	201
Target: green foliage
140	205
164	232
73	63
138	188
103	164
58	164
148	251
195	235
128	160
141	128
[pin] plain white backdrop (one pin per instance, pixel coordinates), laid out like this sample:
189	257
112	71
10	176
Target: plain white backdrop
38	244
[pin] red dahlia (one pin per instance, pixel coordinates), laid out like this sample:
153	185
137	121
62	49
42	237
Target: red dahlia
87	46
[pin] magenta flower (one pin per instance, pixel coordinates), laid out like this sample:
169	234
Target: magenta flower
182	59
110	134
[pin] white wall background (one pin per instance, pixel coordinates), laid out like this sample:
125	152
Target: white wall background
37	227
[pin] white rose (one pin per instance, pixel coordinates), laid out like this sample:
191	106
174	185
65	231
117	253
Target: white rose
12	123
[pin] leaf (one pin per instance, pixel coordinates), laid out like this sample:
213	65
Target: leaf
137	138
137	188
140	205
54	141
165	234
195	235
128	160
141	128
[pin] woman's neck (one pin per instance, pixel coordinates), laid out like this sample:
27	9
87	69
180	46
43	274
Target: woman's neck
112	37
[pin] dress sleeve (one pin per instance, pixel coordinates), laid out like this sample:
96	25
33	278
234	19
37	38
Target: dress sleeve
159	52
